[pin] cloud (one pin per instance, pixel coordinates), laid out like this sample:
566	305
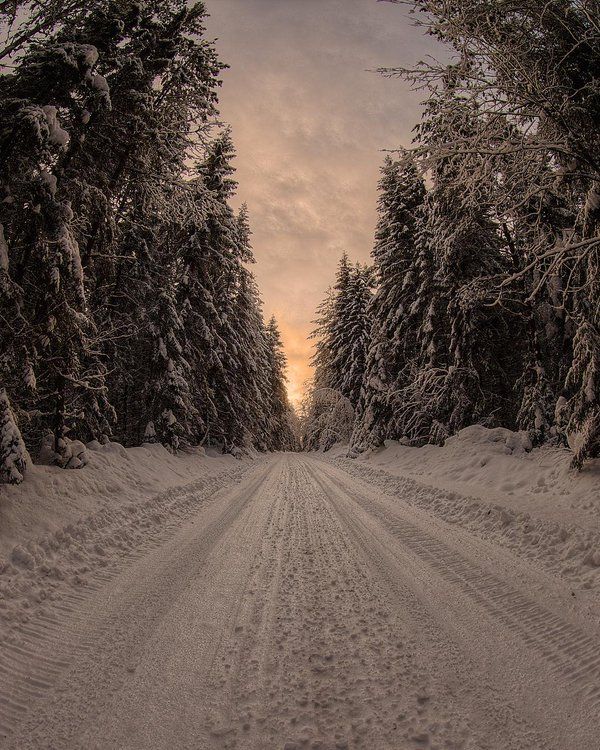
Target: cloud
309	122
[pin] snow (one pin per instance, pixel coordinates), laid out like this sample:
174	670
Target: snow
70	248
50	180
29	377
592	200
100	84
90	55
56	134
13	454
292	603
491	482
3	251
53	498
150	433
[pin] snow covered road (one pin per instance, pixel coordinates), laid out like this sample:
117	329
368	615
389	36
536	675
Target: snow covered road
301	607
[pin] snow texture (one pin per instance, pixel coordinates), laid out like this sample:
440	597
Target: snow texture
56	134
3	251
297	602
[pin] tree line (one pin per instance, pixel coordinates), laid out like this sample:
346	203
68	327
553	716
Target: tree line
486	306
127	308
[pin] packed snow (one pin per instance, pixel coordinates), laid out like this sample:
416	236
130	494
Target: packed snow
491	482
410	598
114	477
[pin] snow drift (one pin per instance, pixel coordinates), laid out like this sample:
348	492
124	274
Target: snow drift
491	482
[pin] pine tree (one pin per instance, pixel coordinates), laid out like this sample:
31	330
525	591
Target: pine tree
342	332
54	334
226	247
111	253
280	427
537	65
137	208
13	454
355	333
342	340
402	193
457	378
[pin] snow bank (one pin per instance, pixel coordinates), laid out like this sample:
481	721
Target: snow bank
51	497
498	465
491	483
61	530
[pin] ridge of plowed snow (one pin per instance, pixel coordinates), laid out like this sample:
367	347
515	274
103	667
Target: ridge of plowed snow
569	550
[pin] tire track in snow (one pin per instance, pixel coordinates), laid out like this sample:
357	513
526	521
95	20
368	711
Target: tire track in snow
75	627
284	615
569	651
323	656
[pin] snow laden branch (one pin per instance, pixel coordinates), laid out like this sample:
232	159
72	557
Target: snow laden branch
127	309
487	250
328	418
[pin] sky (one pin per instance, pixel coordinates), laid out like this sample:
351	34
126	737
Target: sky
311	120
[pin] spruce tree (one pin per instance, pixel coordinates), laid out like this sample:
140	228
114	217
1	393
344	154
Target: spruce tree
280	424
457	378
62	386
342	332
355	335
342	339
402	193
13	454
536	66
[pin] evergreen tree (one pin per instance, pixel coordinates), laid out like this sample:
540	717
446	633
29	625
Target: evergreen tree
342	332
226	244
342	340
13	454
402	192
354	335
110	252
536	66
62	385
462	353
280	426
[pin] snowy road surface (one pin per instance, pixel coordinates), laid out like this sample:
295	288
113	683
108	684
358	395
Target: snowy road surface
301	607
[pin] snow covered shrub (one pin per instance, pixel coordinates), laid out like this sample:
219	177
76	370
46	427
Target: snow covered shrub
13	454
66	453
328	419
150	433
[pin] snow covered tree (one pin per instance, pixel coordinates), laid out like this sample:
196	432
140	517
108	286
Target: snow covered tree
536	66
327	418
26	21
547	325
122	276
13	454
224	246
342	340
253	357
137	210
280	427
342	332
402	192
356	331
54	334
448	347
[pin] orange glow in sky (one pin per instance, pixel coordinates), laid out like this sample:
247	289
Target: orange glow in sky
310	119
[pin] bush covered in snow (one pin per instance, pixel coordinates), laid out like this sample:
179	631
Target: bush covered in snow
13	454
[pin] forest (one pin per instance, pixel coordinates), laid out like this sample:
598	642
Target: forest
482	302
127	307
195	552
